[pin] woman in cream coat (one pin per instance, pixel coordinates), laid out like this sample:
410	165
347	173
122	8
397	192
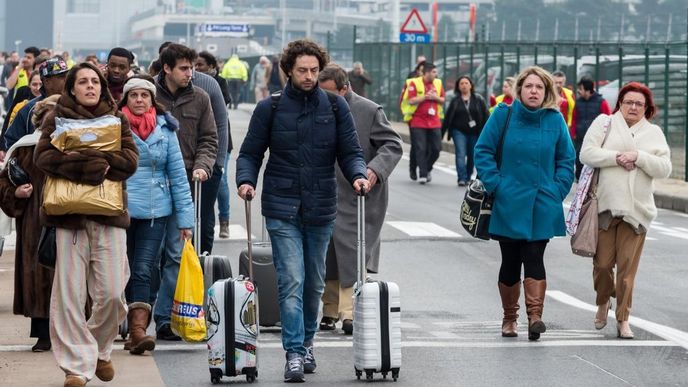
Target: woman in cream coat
634	154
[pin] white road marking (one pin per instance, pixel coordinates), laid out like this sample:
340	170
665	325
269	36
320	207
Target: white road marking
602	369
676	336
671	231
423	229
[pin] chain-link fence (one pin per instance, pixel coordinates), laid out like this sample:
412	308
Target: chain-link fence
663	67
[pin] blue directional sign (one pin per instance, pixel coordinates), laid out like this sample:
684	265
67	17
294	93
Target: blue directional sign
236	28
406	37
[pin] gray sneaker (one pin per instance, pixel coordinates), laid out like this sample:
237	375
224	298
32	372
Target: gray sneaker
309	360
293	369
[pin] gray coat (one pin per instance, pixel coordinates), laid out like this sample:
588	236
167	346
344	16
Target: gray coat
382	151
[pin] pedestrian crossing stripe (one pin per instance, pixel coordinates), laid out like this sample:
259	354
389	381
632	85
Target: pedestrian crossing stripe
423	229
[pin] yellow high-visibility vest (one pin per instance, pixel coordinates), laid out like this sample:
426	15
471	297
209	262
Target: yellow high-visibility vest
571	102
407	109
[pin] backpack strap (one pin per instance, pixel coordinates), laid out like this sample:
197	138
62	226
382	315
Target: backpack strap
274	101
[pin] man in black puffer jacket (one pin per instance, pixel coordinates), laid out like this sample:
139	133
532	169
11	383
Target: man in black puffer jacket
306	131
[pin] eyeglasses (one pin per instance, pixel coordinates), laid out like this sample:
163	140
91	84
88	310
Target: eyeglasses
634	103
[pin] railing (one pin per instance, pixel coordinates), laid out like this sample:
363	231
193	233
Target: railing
662	66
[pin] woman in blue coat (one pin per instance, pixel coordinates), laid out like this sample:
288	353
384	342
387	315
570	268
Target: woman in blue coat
158	189
534	177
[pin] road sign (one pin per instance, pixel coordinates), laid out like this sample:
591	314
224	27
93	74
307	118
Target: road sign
212	29
414	38
414	24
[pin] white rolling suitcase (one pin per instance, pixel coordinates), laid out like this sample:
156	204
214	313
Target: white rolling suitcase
377	317
233	324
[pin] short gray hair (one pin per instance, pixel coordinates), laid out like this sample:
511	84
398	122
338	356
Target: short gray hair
334	72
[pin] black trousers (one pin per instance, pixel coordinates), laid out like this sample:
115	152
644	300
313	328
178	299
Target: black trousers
40	328
235	90
517	253
426	144
578	144
209	190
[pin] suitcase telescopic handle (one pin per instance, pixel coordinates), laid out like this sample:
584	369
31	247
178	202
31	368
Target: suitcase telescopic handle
360	243
197	215
247	207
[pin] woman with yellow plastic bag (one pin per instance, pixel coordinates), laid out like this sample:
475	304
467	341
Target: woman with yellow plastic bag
188	318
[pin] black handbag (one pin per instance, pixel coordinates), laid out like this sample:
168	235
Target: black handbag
16	173
47	248
476	208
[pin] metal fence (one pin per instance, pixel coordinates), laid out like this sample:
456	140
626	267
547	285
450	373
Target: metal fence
663	67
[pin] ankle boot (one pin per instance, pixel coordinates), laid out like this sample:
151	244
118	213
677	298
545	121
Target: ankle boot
535	298
139	318
510	296
224	229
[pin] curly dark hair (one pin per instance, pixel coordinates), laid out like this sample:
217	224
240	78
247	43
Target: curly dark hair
301	47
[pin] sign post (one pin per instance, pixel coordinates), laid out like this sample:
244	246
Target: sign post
413	30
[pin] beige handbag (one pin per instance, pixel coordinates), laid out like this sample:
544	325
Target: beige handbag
584	241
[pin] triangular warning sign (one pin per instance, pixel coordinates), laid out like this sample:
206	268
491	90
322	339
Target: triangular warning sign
414	24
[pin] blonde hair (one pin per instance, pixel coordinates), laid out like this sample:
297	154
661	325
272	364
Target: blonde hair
551	100
510	81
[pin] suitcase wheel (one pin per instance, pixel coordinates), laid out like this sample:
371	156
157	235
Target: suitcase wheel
358	374
395	374
384	375
369	375
215	376
251	378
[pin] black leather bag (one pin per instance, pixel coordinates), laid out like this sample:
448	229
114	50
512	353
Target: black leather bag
476	208
47	248
16	174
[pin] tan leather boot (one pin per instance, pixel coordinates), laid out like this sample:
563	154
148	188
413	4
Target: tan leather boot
510	296
224	229
139	318
535	299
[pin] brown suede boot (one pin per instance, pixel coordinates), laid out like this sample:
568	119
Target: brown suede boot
74	381
510	296
535	299
105	371
138	319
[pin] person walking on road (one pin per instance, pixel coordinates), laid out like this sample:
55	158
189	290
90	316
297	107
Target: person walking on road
236	75
306	133
634	153
259	78
466	116
382	151
359	78
157	189
421	105
589	105
529	186
198	140
32	282
91	256
117	70
567	101
507	94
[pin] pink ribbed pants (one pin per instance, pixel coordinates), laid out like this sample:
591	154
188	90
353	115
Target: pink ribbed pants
90	262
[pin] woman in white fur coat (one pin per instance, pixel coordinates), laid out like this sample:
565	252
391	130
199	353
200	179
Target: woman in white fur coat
634	154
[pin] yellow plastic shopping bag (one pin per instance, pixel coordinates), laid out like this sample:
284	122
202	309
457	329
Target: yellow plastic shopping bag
188	318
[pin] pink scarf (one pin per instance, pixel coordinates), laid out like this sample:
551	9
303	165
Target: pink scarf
142	125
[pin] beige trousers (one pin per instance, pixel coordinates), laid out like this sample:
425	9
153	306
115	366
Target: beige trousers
338	302
618	246
90	262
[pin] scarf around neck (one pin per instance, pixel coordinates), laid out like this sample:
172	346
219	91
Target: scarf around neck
142	125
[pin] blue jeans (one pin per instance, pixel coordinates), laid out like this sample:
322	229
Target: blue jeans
223	194
168	279
463	150
299	255
144	237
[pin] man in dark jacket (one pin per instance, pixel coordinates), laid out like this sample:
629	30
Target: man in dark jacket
589	105
306	133
198	142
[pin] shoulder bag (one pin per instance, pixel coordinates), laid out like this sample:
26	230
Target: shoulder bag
584	239
476	208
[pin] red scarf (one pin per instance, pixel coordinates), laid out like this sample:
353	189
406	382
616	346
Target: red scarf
142	125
